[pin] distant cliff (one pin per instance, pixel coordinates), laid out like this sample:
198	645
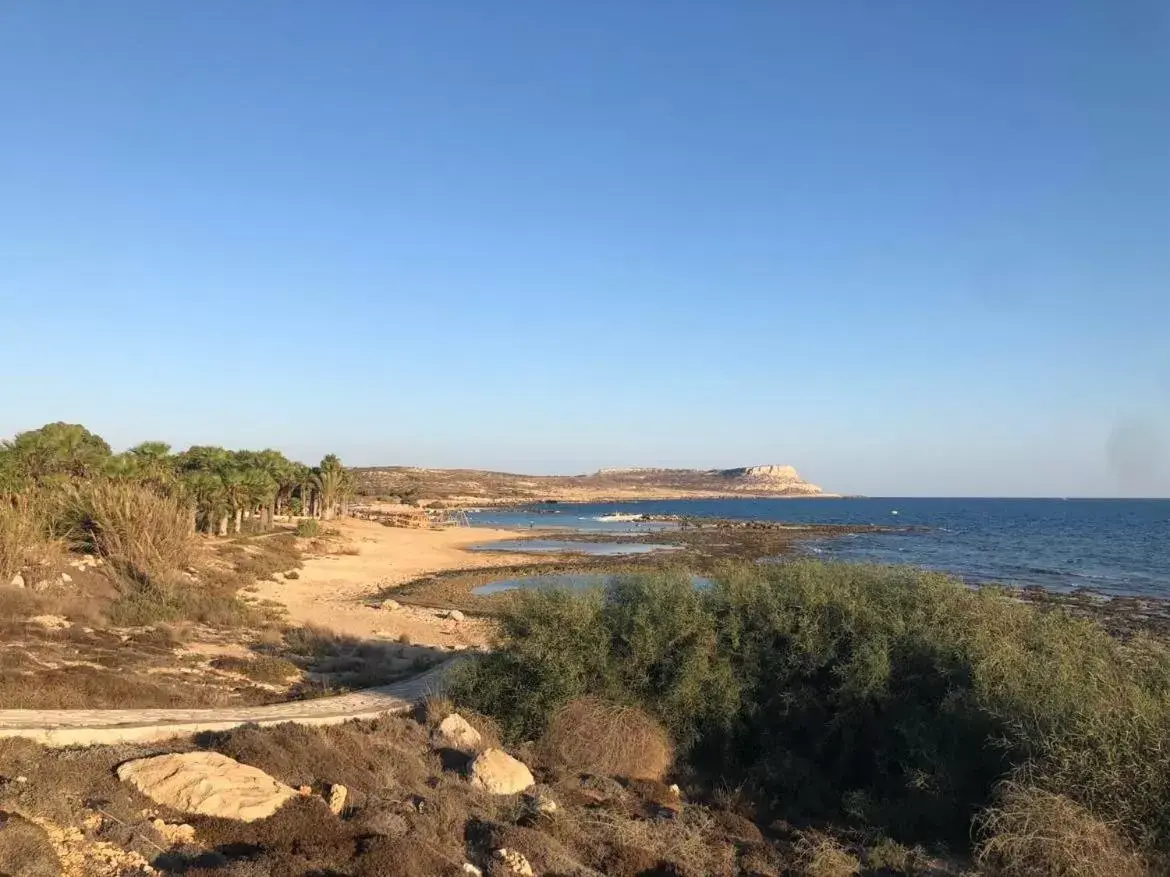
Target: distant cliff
474	486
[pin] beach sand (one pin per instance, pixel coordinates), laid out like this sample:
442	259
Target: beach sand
334	591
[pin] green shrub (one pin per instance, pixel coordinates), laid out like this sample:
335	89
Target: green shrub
308	527
887	697
650	643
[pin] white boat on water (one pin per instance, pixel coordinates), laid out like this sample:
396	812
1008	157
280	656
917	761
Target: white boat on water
619	516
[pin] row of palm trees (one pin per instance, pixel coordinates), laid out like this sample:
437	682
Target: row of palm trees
222	488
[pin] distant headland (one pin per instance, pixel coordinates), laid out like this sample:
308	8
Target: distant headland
481	487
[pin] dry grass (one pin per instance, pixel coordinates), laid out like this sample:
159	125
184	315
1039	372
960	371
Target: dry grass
140	532
692	842
821	856
21	532
149	602
347	663
25	850
268	669
596	736
1035	833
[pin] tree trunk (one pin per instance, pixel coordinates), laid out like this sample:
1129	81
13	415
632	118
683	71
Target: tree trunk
192	519
223	525
239	519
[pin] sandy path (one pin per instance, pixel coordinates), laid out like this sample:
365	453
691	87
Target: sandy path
106	727
331	590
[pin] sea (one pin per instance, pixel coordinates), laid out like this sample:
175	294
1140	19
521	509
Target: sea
1116	547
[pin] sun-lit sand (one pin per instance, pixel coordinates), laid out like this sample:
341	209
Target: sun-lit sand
333	590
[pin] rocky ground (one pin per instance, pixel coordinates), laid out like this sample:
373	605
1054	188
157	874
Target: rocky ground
432	794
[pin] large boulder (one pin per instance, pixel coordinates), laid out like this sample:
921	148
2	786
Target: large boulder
497	772
208	784
455	732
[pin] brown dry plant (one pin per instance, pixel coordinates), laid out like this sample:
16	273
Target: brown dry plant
597	736
1038	833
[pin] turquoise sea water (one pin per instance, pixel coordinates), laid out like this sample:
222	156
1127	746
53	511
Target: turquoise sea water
1111	546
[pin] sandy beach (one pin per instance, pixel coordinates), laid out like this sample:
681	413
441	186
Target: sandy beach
335	590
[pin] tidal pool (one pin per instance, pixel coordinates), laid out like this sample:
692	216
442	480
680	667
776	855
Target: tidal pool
573	581
568	546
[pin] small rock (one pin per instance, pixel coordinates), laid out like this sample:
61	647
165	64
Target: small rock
65	578
540	802
175	833
455	615
515	861
206	783
51	622
17	581
469	868
22	779
385	823
304	791
391	605
675	790
497	772
454	732
337	797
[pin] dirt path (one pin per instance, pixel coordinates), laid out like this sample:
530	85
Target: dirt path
102	727
334	591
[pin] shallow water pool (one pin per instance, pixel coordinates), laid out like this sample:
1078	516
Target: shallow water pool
572	581
567	546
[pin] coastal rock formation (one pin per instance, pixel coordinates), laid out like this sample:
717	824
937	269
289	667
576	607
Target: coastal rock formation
208	784
472	486
784	480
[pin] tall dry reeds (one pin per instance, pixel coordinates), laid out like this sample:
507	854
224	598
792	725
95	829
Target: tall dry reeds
22	532
142	533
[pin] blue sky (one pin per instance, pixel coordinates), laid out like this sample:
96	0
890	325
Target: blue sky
907	247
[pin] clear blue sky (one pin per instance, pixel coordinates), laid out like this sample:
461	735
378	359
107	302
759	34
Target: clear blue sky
908	247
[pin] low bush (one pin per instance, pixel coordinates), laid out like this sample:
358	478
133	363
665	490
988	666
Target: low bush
1036	833
885	698
308	528
649	641
822	856
590	735
140	532
263	668
143	602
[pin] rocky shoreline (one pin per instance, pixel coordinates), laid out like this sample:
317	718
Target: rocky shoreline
705	545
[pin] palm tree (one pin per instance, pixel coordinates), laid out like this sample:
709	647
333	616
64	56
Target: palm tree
57	451
207	489
156	466
235	494
304	479
330	484
259	488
